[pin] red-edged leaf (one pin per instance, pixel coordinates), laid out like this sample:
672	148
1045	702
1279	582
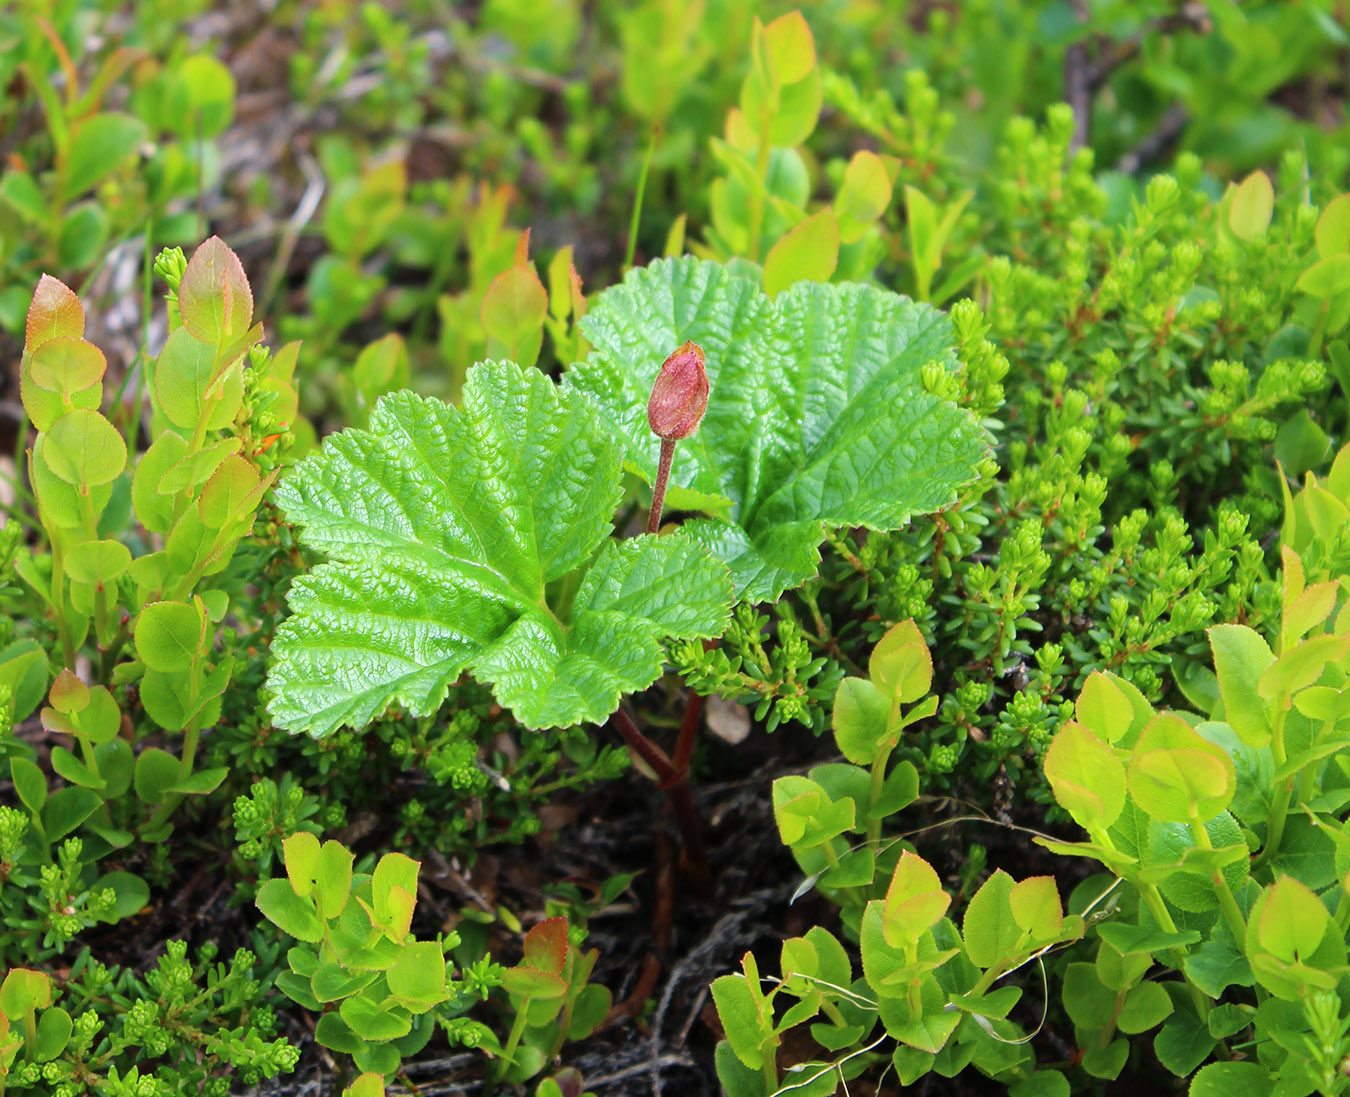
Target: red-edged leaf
55	312
214	297
546	945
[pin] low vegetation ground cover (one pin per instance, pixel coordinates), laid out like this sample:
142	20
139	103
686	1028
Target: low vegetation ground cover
690	546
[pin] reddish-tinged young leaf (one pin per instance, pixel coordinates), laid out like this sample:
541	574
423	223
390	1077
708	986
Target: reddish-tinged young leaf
513	313
214	298
546	945
69	695
55	312
914	901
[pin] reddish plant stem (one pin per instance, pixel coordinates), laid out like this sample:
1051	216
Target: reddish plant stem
659	488
657	760
676	784
684	745
695	859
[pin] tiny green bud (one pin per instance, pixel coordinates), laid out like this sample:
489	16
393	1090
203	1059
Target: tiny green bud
679	395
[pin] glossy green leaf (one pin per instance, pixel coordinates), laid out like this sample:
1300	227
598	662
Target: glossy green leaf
332	982
1087	778
418	975
22	990
901	665
230	494
168	635
66	809
915	900
85	450
98	562
1288	920
1300	666
808	252
1043	1083
23	668
99	145
333	878
1177	776
67	366
1252	203
30	785
1103	708
368	1085
807	816
393	888
793	440
73	770
373	1020
528	982
61	502
301	855
290	912
53	1034
1228	1079
1183	1044
154	509
860	720
1241	656
990	930
1089	1003
1215	965
186	378
156	773
1036	907
1145	1006
738	1008
444	527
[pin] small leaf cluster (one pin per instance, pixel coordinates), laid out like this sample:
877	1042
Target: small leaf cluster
184	1026
832	818
1227	833
357	952
551	999
1218	920
123	139
148	618
930	987
785	680
1170	346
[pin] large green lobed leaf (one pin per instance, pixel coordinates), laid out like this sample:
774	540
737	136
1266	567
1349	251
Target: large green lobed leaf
443	527
817	418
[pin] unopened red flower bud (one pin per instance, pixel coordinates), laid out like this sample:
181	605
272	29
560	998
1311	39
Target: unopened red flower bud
679	395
